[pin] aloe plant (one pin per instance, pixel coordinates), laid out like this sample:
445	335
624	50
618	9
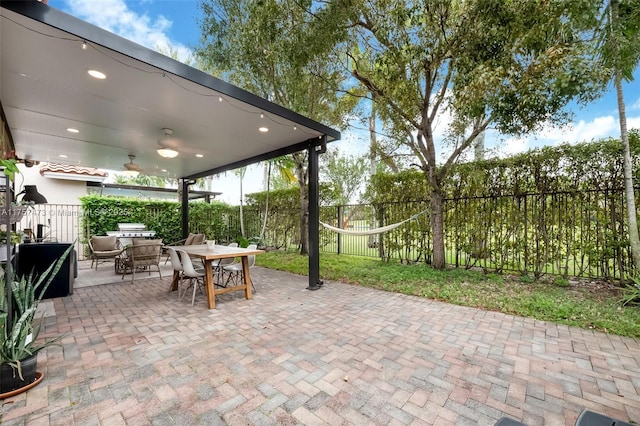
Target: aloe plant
19	327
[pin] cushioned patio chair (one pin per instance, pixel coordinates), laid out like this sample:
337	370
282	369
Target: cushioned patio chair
141	256
104	248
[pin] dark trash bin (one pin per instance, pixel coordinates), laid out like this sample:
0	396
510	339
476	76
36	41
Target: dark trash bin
589	418
506	421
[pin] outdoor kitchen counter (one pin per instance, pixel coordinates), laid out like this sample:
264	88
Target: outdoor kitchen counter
218	252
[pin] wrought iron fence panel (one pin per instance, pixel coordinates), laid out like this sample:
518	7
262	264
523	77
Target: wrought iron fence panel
568	234
58	223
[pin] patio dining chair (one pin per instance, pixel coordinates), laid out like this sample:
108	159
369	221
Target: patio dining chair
236	271
176	265
219	264
191	273
192	239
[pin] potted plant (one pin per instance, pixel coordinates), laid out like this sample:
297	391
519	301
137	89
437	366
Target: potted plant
9	164
14	238
20	326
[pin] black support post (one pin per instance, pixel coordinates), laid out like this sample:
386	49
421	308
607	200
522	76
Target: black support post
184	198
340	209
314	215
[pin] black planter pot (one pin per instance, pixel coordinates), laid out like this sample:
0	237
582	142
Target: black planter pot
10	379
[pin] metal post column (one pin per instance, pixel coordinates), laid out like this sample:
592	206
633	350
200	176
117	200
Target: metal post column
184	198
314	215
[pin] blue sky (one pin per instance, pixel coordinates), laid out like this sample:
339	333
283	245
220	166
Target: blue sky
162	23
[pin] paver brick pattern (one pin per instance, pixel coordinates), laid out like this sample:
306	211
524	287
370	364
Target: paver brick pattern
134	354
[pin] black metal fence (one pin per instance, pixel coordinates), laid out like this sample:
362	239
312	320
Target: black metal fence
581	234
570	234
54	222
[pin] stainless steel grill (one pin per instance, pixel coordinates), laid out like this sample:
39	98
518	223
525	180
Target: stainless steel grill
132	230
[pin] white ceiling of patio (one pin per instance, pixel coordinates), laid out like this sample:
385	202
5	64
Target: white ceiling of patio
45	89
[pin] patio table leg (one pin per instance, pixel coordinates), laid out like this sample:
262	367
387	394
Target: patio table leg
174	281
247	278
208	281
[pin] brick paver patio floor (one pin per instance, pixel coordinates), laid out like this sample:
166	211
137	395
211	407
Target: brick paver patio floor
343	355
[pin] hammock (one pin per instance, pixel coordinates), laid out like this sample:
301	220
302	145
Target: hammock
371	231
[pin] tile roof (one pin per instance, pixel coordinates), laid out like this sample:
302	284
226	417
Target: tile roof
72	170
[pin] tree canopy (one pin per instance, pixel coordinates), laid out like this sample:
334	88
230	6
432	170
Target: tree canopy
469	64
270	48
465	65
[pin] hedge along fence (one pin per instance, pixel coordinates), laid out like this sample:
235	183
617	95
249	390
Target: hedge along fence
555	210
569	234
282	229
102	214
216	220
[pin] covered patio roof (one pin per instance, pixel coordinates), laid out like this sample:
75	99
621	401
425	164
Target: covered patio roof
45	89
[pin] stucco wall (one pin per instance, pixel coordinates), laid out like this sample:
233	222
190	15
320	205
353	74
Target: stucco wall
57	191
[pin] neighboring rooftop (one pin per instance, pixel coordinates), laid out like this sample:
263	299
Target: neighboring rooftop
146	192
61	171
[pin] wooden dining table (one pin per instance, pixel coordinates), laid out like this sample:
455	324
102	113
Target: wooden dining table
201	251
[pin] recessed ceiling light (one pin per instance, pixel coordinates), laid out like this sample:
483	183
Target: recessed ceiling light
97	74
72	130
199	155
63	156
264	129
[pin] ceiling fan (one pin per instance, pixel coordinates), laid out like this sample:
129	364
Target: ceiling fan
132	169
167	144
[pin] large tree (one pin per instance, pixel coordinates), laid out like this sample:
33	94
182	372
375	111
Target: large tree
268	47
511	65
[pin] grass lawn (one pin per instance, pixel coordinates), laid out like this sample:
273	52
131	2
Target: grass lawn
584	304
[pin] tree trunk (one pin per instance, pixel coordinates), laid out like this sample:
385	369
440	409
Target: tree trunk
478	147
241	210
629	194
266	203
437	227
304	220
373	238
630	199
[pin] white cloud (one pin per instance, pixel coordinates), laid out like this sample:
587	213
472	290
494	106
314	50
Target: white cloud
600	127
512	146
116	17
581	131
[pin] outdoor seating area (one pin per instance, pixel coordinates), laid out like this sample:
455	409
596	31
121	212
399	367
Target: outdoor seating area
344	355
215	269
